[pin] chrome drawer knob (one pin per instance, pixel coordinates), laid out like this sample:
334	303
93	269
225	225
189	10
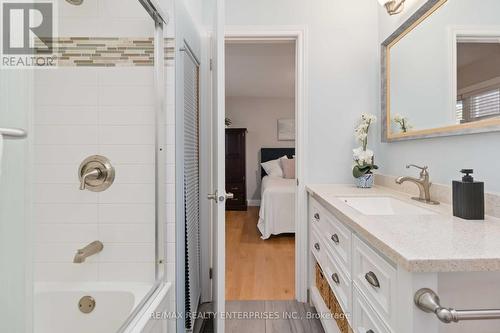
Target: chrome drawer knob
335	278
317	247
372	279
335	239
316	216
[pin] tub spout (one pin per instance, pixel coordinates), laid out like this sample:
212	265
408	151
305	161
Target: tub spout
87	251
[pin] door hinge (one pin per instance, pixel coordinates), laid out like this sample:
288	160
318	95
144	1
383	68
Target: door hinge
210	273
297	182
308	296
211	64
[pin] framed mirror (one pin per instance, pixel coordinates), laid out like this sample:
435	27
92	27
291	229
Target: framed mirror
441	71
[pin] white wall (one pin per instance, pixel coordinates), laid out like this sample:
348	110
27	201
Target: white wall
343	71
260	117
444	156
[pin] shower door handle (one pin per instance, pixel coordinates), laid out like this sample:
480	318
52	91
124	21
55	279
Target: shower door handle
13	133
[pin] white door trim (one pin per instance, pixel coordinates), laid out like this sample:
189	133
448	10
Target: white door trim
299	35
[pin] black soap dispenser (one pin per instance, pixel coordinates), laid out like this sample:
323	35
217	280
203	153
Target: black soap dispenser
468	197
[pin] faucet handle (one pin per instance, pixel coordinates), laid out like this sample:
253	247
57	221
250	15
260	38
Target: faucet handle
424	168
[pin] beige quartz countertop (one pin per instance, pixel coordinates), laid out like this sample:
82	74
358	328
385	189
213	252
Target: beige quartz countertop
430	243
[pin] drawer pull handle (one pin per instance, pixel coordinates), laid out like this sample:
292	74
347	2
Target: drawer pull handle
370	331
335	278
372	279
317	247
316	216
335	239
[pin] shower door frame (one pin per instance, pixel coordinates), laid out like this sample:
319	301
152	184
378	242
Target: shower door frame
160	19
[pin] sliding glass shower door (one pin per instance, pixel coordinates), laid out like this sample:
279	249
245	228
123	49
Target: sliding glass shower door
15	238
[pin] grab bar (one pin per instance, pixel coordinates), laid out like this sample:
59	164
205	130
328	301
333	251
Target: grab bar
13	133
428	301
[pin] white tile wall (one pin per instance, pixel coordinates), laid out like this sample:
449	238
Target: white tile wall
81	112
120	18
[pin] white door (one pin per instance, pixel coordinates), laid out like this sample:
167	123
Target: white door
219	193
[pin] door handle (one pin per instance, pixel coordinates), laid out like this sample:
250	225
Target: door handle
213	196
219	198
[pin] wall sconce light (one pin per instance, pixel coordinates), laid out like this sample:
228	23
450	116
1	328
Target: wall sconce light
393	7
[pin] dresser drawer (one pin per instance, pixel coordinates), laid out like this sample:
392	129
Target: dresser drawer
339	281
338	239
376	280
365	318
235	187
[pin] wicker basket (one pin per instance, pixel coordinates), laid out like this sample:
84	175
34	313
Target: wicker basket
339	315
331	301
322	285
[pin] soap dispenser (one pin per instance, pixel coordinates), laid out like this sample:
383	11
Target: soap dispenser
468	197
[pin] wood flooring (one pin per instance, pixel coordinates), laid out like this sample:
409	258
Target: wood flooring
257	269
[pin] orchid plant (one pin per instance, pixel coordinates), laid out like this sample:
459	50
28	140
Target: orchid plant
403	123
363	157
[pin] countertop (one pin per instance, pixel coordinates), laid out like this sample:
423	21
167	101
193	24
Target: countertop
430	243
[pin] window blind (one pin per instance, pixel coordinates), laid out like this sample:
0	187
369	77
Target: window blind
478	105
191	187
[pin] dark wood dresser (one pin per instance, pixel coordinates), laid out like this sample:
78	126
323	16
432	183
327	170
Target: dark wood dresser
236	168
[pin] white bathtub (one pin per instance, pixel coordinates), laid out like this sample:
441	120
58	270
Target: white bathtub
56	306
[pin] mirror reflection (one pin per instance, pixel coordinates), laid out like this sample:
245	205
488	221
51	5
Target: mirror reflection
478	79
443	72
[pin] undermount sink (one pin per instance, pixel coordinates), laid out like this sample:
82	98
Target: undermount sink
384	206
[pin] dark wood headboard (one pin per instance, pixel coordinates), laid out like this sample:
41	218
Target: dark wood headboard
269	154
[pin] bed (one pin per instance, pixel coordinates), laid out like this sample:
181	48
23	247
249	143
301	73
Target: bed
277	207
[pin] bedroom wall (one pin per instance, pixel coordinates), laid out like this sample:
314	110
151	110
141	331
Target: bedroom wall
469	151
342	63
260	116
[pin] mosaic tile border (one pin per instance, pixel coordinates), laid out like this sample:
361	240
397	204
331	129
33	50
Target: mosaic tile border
104	51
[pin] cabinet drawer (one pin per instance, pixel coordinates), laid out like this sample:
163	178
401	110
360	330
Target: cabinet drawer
315	213
365	318
376	280
316	245
338	239
339	281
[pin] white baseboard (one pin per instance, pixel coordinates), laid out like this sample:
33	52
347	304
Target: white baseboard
253	203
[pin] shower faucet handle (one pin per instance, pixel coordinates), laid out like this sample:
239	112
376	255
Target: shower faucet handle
96	174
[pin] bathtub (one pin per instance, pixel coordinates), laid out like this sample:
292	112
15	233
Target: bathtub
56	306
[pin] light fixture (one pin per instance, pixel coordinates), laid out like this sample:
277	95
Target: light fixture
393	7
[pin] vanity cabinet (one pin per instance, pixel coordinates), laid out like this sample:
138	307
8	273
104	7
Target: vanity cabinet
370	267
363	282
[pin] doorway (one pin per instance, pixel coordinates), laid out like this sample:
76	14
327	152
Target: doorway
260	169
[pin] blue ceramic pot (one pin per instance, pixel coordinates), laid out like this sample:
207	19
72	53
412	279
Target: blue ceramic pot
365	181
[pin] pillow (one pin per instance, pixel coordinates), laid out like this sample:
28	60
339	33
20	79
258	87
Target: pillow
288	167
273	167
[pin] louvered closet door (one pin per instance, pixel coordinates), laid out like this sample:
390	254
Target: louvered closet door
191	185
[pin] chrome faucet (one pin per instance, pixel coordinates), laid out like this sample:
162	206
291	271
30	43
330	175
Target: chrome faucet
87	251
423	183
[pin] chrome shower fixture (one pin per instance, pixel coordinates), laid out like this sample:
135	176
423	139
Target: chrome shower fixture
75	2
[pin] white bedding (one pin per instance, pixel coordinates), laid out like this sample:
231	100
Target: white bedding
277	207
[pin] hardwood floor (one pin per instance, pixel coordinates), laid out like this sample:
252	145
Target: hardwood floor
257	269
